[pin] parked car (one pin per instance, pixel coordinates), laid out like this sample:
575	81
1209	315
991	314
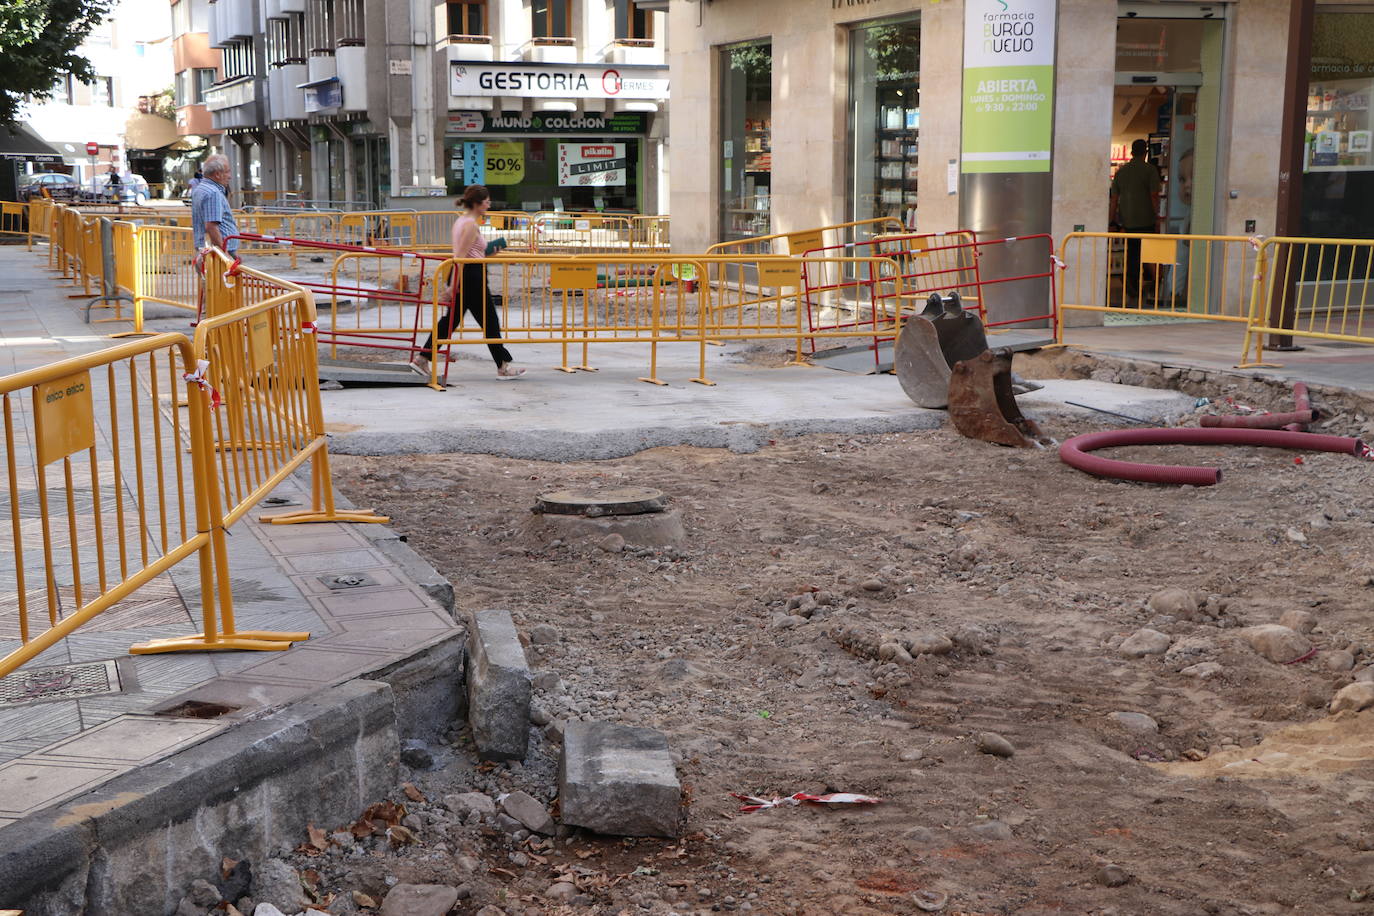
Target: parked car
58	185
131	189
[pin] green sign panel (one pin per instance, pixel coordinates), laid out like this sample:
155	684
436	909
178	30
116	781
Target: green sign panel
1008	118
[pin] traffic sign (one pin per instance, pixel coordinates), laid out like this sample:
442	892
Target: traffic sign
92	148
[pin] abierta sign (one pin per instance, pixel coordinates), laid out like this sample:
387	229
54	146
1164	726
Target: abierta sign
1008	122
557	81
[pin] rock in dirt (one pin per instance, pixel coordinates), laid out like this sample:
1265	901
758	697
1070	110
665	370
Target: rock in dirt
1299	620
526	809
872	585
1137	723
267	909
612	543
278	885
1338	660
204	894
544	634
561	892
992	830
929	644
1176	602
1202	670
419	900
416	755
1145	642
911	755
464	803
994	744
1112	876
1277	643
1355	697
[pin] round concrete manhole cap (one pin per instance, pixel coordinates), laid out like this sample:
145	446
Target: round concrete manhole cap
597	502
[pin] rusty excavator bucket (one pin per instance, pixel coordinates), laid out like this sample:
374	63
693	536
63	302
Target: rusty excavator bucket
982	405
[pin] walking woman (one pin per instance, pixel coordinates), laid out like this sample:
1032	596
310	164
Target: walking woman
471	288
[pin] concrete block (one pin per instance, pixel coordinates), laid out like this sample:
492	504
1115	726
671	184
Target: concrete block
428	688
618	780
499	687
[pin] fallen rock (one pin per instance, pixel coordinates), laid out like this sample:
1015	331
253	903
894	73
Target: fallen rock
465	803
1299	620
1137	723
994	744
618	780
419	900
1112	876
526	809
1277	643
277	884
1355	697
1145	642
204	894
1176	602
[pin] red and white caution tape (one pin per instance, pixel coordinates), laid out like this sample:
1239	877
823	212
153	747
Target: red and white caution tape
1058	262
834	798
199	379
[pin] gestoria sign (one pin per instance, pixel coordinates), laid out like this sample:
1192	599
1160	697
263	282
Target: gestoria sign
558	81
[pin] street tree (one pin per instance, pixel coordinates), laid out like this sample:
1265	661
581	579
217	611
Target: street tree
39	41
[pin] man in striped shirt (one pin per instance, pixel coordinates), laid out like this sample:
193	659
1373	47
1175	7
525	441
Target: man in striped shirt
212	220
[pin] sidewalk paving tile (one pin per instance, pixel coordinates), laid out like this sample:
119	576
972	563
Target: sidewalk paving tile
133	740
27	784
371	602
337	562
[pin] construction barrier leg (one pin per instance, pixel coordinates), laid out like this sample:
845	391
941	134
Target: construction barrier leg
322	498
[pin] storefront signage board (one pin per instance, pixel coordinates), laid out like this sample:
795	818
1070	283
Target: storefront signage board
553	122
1008	121
592	165
557	81
493	163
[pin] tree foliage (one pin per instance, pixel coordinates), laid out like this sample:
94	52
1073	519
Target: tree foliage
38	43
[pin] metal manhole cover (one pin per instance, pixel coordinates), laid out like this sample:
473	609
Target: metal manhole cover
594	503
61	682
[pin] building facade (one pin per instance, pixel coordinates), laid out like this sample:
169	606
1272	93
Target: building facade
553	104
131	54
795	113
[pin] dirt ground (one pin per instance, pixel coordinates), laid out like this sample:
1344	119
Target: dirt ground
772	648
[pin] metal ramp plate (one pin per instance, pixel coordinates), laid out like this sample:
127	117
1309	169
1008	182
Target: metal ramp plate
361	374
859	360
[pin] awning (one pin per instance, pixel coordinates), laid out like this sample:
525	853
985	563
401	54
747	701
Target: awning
322	95
148	131
19	143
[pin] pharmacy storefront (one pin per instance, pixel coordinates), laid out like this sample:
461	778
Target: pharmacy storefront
557	136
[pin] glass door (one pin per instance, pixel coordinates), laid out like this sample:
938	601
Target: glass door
746	129
884	119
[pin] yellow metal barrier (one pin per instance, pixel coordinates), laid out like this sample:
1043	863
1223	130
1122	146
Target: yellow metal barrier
1177	276
376	300
579	301
582	234
259	351
649	235
96	514
164	270
15	219
1321	289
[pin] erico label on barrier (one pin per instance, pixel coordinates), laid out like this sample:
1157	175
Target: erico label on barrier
779	273
260	341
63	417
573	276
800	242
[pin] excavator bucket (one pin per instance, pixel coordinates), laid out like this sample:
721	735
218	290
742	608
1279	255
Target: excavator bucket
931	343
982	405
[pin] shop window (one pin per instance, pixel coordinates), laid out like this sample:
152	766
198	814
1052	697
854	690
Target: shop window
467	17
746	128
1338	159
550	18
633	23
885	119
